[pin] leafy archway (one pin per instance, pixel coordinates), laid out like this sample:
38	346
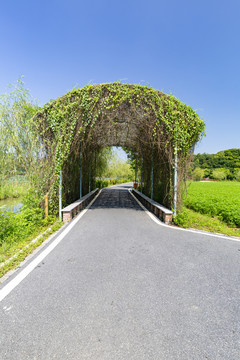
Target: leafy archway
149	124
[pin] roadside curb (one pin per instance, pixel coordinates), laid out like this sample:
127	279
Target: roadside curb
200	232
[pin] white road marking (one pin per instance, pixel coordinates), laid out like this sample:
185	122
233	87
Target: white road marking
29	268
25	247
6	308
159	222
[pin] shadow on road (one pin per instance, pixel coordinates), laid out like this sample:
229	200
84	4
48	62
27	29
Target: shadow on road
115	198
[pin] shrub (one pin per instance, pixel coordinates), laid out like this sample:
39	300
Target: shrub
207	173
237	175
102	183
219	174
16	227
181	218
198	174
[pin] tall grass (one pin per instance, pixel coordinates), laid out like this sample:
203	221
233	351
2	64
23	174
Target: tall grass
14	187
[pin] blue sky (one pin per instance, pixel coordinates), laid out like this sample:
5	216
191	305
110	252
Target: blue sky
188	48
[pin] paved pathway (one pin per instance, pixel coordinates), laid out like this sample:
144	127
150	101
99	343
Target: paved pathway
120	286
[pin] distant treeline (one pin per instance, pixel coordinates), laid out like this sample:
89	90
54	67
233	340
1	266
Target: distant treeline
225	165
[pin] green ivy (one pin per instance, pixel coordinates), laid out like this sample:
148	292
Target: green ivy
76	118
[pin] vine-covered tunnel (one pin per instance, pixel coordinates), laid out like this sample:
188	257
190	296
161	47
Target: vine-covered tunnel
151	125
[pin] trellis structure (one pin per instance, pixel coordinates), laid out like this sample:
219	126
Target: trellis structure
151	125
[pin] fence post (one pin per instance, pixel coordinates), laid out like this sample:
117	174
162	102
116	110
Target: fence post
141	173
46	205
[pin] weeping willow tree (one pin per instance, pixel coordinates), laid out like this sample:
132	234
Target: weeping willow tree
147	123
20	146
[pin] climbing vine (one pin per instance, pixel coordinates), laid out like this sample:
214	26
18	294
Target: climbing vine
139	118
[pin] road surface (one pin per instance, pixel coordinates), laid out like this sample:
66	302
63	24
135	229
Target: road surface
120	286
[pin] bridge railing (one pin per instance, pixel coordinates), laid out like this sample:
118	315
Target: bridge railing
73	209
157	209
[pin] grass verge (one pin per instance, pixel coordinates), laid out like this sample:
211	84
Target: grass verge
192	219
12	256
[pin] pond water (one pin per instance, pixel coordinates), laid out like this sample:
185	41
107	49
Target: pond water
13	205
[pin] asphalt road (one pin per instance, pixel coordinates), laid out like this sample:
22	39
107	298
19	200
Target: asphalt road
120	286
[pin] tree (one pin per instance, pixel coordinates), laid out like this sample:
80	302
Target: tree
20	147
219	174
237	174
109	165
103	159
227	159
198	174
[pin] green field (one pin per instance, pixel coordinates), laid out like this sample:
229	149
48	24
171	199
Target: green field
213	206
221	199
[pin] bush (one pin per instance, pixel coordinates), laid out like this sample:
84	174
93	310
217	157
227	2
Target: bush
237	175
16	227
219	174
198	174
181	218
207	173
102	183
